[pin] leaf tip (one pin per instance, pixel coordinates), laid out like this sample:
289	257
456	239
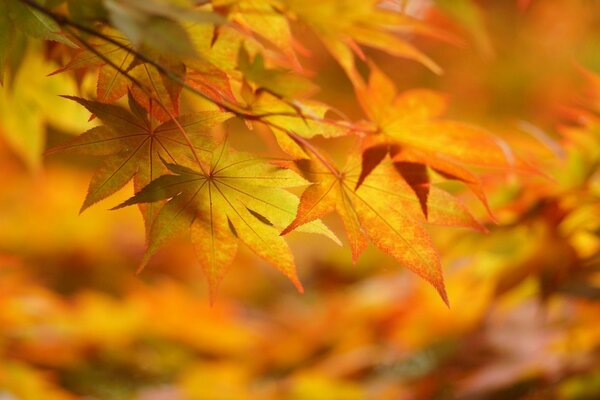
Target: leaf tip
68	97
212	297
84	206
119	206
141	267
443	294
297	283
287	230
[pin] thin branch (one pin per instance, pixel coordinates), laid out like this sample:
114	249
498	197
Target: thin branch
234	109
315	152
66	23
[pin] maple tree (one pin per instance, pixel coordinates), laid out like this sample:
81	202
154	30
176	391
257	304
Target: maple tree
224	128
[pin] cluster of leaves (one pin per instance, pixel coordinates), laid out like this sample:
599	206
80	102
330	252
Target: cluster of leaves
242	58
525	295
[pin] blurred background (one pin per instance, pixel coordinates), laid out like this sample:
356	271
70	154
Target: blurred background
76	322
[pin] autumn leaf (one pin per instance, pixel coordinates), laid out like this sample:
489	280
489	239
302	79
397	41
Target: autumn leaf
304	118
239	196
158	88
410	126
470	17
281	83
209	80
344	25
32	104
18	21
264	19
385	209
34	23
132	145
121	70
154	25
112	83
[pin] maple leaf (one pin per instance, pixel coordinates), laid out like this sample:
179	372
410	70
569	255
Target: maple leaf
344	25
238	197
470	17
409	127
209	80
304	118
120	69
133	145
158	88
281	83
33	22
264	19
32	104
18	20
384	209
112	84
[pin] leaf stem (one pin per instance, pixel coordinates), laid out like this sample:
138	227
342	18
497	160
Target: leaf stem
315	152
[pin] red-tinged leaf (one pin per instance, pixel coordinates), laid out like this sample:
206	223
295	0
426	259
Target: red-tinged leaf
380	91
112	83
209	80
412	121
400	236
371	158
458	141
411	125
435	206
356	235
159	94
316	201
446	168
384	209
415	175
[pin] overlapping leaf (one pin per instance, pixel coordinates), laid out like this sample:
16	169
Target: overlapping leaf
263	18
384	209
344	25
120	69
238	197
18	19
112	83
133	145
410	127
304	118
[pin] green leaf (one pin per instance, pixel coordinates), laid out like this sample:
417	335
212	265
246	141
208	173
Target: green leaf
34	23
